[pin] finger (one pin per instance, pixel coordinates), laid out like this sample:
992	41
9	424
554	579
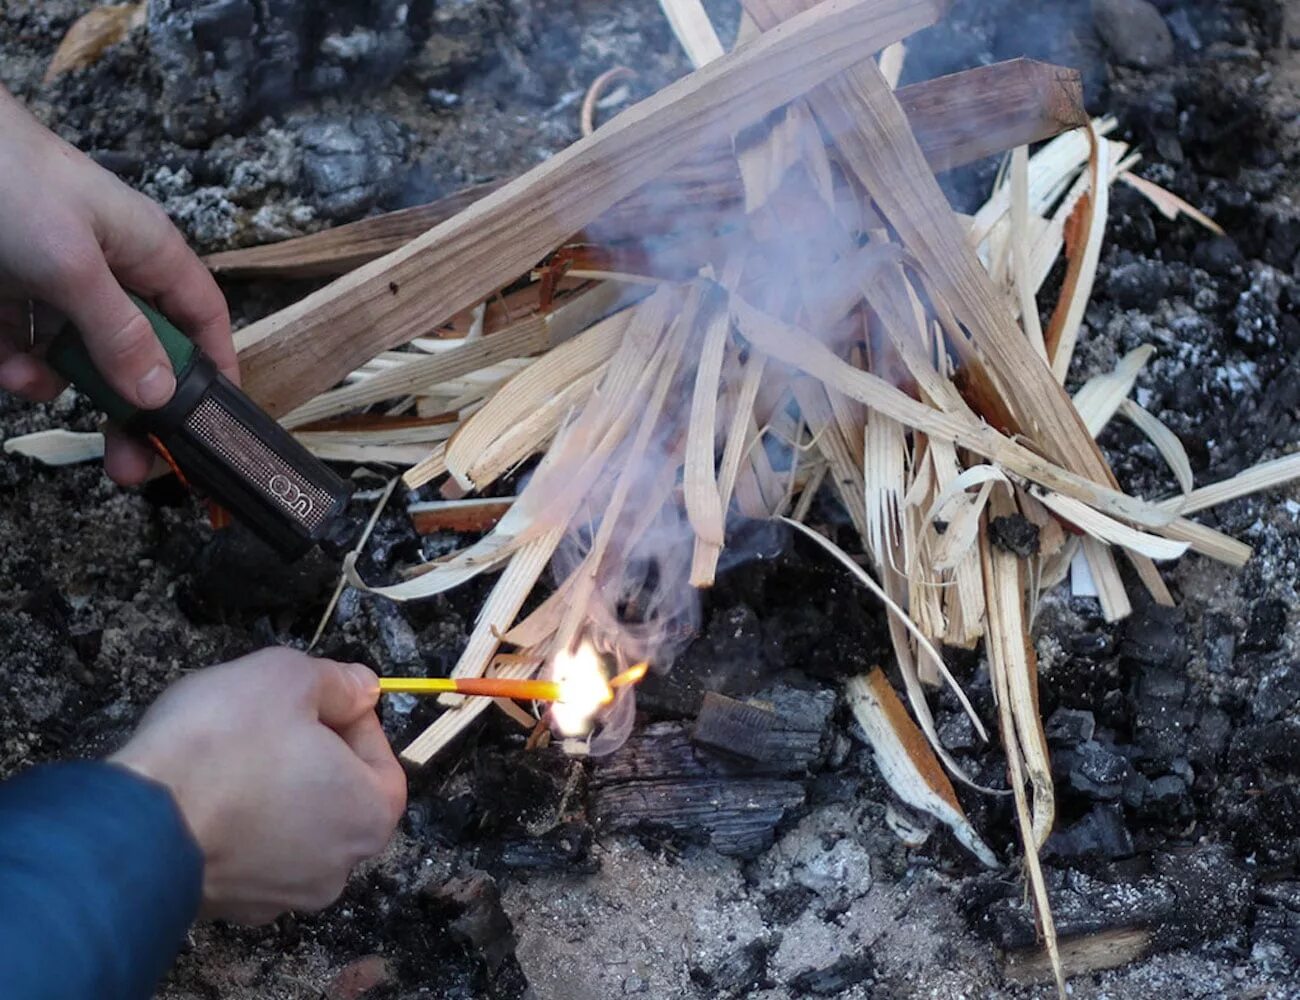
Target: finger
343	692
31	378
149	256
366	738
127	461
119	338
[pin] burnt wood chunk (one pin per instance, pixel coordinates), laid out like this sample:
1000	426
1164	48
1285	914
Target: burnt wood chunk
757	733
735	728
727	780
737	817
1118	912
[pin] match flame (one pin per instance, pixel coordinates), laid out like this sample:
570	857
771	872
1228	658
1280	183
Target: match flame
583	689
631	675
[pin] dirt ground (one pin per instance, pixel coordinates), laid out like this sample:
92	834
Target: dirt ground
501	883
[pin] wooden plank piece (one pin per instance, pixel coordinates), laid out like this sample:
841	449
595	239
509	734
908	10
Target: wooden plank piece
340	249
967	116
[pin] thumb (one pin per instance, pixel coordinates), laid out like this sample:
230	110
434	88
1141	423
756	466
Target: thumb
344	692
120	340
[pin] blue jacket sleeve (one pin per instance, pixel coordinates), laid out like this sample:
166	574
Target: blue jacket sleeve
99	881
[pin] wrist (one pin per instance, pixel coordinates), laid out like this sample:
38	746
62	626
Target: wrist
155	768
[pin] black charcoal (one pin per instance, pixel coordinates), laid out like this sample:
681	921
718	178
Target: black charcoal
1101	834
1070	726
1098	771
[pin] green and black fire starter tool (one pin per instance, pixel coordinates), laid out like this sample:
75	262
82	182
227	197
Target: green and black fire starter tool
222	444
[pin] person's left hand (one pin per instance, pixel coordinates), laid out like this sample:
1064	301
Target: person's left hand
74	237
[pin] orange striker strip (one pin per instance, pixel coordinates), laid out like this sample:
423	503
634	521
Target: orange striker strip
218	516
161	449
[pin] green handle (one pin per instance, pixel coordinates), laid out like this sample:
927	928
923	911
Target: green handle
69	357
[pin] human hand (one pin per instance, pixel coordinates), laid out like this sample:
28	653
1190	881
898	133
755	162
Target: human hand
282	771
72	236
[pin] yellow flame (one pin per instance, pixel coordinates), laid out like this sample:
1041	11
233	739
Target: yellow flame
632	675
583	689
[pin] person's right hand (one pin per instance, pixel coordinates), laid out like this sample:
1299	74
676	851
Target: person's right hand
282	771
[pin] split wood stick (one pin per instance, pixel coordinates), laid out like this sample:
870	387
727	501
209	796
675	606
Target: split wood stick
704	561
1012	658
503	606
758	494
1104	571
1077	289
541	624
1014	675
475	514
1265	476
691	24
957	119
338	250
906	760
57	446
704	507
300	351
920	570
884	480
1020	246
891	63
979	112
1208	542
1081	955
966	598
433	466
532	433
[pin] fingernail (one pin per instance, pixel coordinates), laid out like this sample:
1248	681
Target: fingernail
364	678
156	387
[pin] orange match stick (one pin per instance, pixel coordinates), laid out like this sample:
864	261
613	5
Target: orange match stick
498	687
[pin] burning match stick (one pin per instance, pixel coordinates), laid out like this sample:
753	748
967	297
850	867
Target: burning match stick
486	687
502	687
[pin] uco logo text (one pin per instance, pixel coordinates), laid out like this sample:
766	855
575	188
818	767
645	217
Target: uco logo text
296	500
